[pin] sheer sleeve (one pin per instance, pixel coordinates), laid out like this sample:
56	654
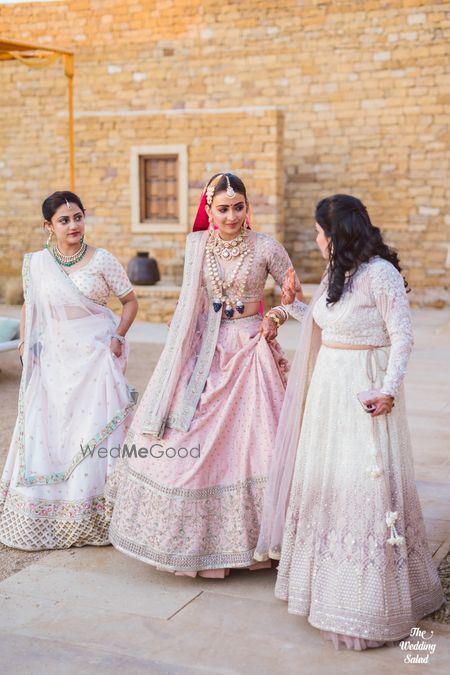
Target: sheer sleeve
296	309
391	300
114	275
278	263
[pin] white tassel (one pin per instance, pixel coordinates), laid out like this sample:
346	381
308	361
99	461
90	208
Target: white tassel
395	538
391	518
374	471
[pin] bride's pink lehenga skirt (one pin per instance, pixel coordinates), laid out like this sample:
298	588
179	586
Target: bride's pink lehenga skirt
195	502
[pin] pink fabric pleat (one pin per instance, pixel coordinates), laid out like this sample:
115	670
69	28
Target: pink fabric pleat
287	437
220	573
355	643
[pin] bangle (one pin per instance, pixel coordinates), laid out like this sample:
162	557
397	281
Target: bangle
278	314
22	342
274	317
283	311
121	338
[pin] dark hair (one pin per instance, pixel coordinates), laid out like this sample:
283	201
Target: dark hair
57	199
235	182
353	241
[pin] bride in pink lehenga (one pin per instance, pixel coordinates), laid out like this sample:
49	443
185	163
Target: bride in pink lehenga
191	502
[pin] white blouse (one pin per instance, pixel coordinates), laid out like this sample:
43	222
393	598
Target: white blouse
102	274
373	310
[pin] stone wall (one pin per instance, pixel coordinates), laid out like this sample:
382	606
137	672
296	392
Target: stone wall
342	96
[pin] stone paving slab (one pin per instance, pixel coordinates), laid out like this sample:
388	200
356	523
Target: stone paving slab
39	656
214	633
231	626
147	599
112	565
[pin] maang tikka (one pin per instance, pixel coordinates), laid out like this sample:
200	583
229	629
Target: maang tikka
230	192
210	190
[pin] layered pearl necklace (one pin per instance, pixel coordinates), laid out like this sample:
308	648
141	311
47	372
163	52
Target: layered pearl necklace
224	291
69	260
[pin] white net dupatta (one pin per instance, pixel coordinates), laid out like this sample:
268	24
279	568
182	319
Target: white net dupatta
288	434
73	391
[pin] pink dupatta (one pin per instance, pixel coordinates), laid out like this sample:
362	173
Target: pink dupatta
276	499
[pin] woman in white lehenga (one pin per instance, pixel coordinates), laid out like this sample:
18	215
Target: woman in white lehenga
74	401
342	512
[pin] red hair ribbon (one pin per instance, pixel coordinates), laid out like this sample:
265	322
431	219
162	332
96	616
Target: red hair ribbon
201	221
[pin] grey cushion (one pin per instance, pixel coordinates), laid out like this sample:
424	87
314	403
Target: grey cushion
9	328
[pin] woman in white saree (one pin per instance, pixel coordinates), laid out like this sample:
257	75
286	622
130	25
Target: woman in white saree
74	402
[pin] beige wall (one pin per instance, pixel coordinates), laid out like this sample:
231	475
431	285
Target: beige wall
362	89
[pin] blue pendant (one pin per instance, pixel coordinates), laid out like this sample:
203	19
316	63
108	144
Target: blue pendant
229	311
240	307
217	305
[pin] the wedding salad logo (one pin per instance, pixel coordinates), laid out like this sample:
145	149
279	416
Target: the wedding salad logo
421	648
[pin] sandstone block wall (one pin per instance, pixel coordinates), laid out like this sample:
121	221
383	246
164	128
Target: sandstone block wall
303	99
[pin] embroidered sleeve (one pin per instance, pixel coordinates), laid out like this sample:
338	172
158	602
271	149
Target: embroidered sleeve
392	302
26	273
278	263
115	276
296	309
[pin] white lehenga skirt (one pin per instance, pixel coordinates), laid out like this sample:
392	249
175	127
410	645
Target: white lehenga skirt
74	511
337	567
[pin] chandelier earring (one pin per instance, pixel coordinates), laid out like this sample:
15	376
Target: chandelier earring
49	240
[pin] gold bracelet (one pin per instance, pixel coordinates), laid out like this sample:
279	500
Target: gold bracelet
274	317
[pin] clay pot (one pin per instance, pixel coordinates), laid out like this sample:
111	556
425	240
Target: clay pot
142	270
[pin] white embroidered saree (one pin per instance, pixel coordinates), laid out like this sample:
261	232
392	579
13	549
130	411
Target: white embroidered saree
73	401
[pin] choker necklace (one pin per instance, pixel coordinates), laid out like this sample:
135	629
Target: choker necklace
229	249
224	292
69	260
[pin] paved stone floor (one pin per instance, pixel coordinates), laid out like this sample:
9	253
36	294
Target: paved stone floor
93	610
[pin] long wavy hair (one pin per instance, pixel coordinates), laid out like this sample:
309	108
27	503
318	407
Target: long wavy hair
353	241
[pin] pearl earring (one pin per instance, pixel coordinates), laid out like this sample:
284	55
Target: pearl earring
49	240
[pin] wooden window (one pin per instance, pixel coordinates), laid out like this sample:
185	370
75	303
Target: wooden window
159	189
158	179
